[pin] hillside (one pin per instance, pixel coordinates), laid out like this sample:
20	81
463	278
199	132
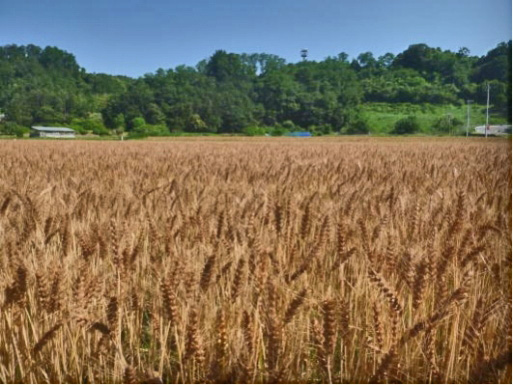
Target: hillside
433	119
257	93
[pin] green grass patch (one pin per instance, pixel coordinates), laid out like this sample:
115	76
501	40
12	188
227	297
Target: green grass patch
383	116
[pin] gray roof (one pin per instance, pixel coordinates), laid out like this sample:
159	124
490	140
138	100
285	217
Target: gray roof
52	129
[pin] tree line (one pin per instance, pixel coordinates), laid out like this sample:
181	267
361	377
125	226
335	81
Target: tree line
242	93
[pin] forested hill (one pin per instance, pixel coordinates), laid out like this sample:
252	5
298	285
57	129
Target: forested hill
245	92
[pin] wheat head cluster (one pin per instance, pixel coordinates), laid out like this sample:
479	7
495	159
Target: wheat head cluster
254	261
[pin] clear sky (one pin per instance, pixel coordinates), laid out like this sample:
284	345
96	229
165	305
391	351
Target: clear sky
134	37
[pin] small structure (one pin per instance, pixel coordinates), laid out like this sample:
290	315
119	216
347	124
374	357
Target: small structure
300	134
52	132
504	129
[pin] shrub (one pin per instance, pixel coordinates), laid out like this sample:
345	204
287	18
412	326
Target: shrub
408	125
196	124
12	128
278	131
314	130
80	130
145	130
254	131
156	129
93	123
101	130
288	125
324	129
447	124
359	126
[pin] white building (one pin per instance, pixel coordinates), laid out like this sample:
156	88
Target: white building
504	129
52	132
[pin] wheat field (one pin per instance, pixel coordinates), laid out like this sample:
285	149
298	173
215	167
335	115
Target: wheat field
256	261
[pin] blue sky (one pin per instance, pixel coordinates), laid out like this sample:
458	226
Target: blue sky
134	37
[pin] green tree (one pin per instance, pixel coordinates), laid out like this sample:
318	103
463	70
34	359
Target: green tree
153	114
358	126
366	60
138	124
119	121
448	124
47	114
227	67
196	124
230	92
11	128
408	125
386	60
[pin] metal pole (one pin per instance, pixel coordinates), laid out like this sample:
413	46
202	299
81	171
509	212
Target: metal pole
487	107
468	116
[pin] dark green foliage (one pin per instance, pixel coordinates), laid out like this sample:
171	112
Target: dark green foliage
448	124
288	125
140	128
278	131
235	93
93	123
228	67
255	131
408	125
11	128
358	126
43	86
496	65
323	129
138	124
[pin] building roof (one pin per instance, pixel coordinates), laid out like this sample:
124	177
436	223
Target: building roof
52	129
495	129
300	133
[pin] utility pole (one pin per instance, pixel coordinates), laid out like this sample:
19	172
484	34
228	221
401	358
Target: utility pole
487	108
468	115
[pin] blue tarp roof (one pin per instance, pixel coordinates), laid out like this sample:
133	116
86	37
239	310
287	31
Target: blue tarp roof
300	133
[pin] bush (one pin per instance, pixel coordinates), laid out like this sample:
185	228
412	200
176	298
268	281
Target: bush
145	130
138	123
156	130
12	128
408	125
324	129
93	123
278	131
80	130
288	125
359	126
447	124
254	131
196	124
101	131
313	129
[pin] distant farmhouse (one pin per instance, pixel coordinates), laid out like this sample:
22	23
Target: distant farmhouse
52	132
504	129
